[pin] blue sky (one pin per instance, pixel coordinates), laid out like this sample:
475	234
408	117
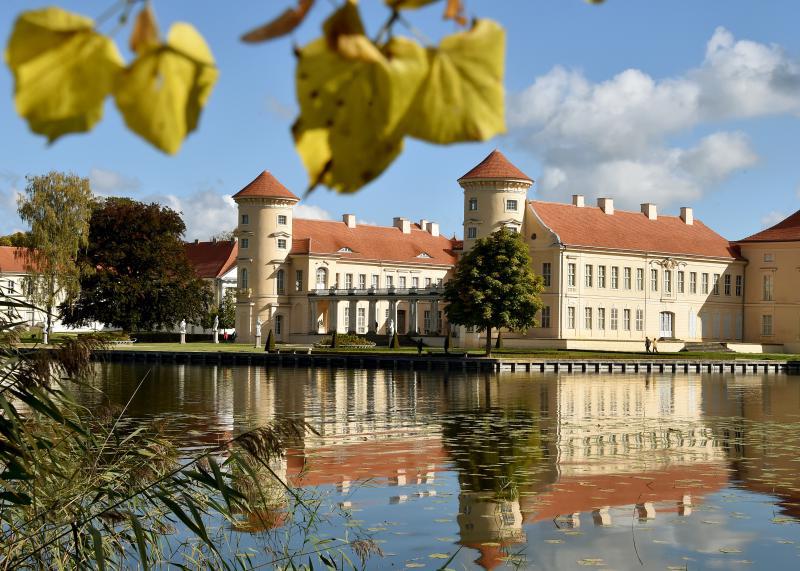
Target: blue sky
678	102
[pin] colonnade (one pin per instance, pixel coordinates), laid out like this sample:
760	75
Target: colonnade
372	317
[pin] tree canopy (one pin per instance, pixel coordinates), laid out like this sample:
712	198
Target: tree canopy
57	207
494	286
141	278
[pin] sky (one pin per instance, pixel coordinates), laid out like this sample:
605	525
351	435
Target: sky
680	103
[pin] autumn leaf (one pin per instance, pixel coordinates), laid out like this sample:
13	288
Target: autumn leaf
344	33
454	10
462	98
280	26
408	4
63	70
144	34
351	110
162	93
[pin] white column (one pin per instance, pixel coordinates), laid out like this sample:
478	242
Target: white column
393	313
412	317
372	316
312	316
353	309
435	316
333	315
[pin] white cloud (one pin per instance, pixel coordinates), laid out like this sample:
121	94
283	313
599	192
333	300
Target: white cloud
205	212
612	138
311	212
10	190
772	218
112	183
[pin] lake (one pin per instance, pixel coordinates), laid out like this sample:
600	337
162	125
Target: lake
544	471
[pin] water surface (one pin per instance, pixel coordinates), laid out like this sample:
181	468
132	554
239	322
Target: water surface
547	471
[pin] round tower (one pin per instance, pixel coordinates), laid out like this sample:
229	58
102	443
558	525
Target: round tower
264	230
495	193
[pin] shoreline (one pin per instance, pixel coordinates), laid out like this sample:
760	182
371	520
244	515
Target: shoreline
670	363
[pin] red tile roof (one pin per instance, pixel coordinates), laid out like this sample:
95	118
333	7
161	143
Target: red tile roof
265	186
495	166
370	242
12	259
787	230
212	259
591	227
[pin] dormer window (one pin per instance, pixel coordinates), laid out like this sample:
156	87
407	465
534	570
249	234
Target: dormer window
345	250
424	255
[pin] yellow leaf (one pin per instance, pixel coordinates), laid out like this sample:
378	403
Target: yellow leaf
344	33
145	31
462	98
408	4
280	26
350	109
162	92
63	70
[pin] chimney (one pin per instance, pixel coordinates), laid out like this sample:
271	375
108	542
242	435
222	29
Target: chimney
403	223
649	210
577	200
349	219
606	205
423	223
433	228
687	215
196	241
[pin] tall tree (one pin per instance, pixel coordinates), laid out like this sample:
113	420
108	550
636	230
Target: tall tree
57	206
142	279
494	286
18	239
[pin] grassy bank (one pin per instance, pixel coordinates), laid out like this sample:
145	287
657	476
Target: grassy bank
500	353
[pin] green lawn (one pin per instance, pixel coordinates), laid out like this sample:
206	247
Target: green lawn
502	353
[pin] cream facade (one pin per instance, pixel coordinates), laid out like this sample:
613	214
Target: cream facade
612	277
610	298
772	302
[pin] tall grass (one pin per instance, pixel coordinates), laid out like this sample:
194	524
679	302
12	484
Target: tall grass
79	489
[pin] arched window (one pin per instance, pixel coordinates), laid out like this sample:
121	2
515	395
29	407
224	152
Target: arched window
243	279
280	281
322	278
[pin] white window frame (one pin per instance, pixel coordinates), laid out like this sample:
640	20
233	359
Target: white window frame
614	277
472	232
547	272
571	317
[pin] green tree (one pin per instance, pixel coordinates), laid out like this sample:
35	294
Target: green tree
226	311
18	239
494	286
57	207
142	279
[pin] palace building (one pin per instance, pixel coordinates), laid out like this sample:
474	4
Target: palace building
612	277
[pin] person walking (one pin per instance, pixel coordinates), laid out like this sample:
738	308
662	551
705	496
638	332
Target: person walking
655	344
419	346
646	344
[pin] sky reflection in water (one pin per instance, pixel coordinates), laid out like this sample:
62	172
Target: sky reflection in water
543	471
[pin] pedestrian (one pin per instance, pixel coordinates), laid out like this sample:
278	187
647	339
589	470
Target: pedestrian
419	346
655	344
646	344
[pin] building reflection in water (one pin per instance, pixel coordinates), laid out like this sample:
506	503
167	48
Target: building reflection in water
568	448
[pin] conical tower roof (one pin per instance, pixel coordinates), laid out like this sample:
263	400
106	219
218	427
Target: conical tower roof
495	166
265	186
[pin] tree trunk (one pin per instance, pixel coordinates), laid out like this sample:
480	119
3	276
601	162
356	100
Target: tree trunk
47	324
489	341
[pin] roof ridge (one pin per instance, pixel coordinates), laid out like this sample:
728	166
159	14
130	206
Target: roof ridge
616	210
